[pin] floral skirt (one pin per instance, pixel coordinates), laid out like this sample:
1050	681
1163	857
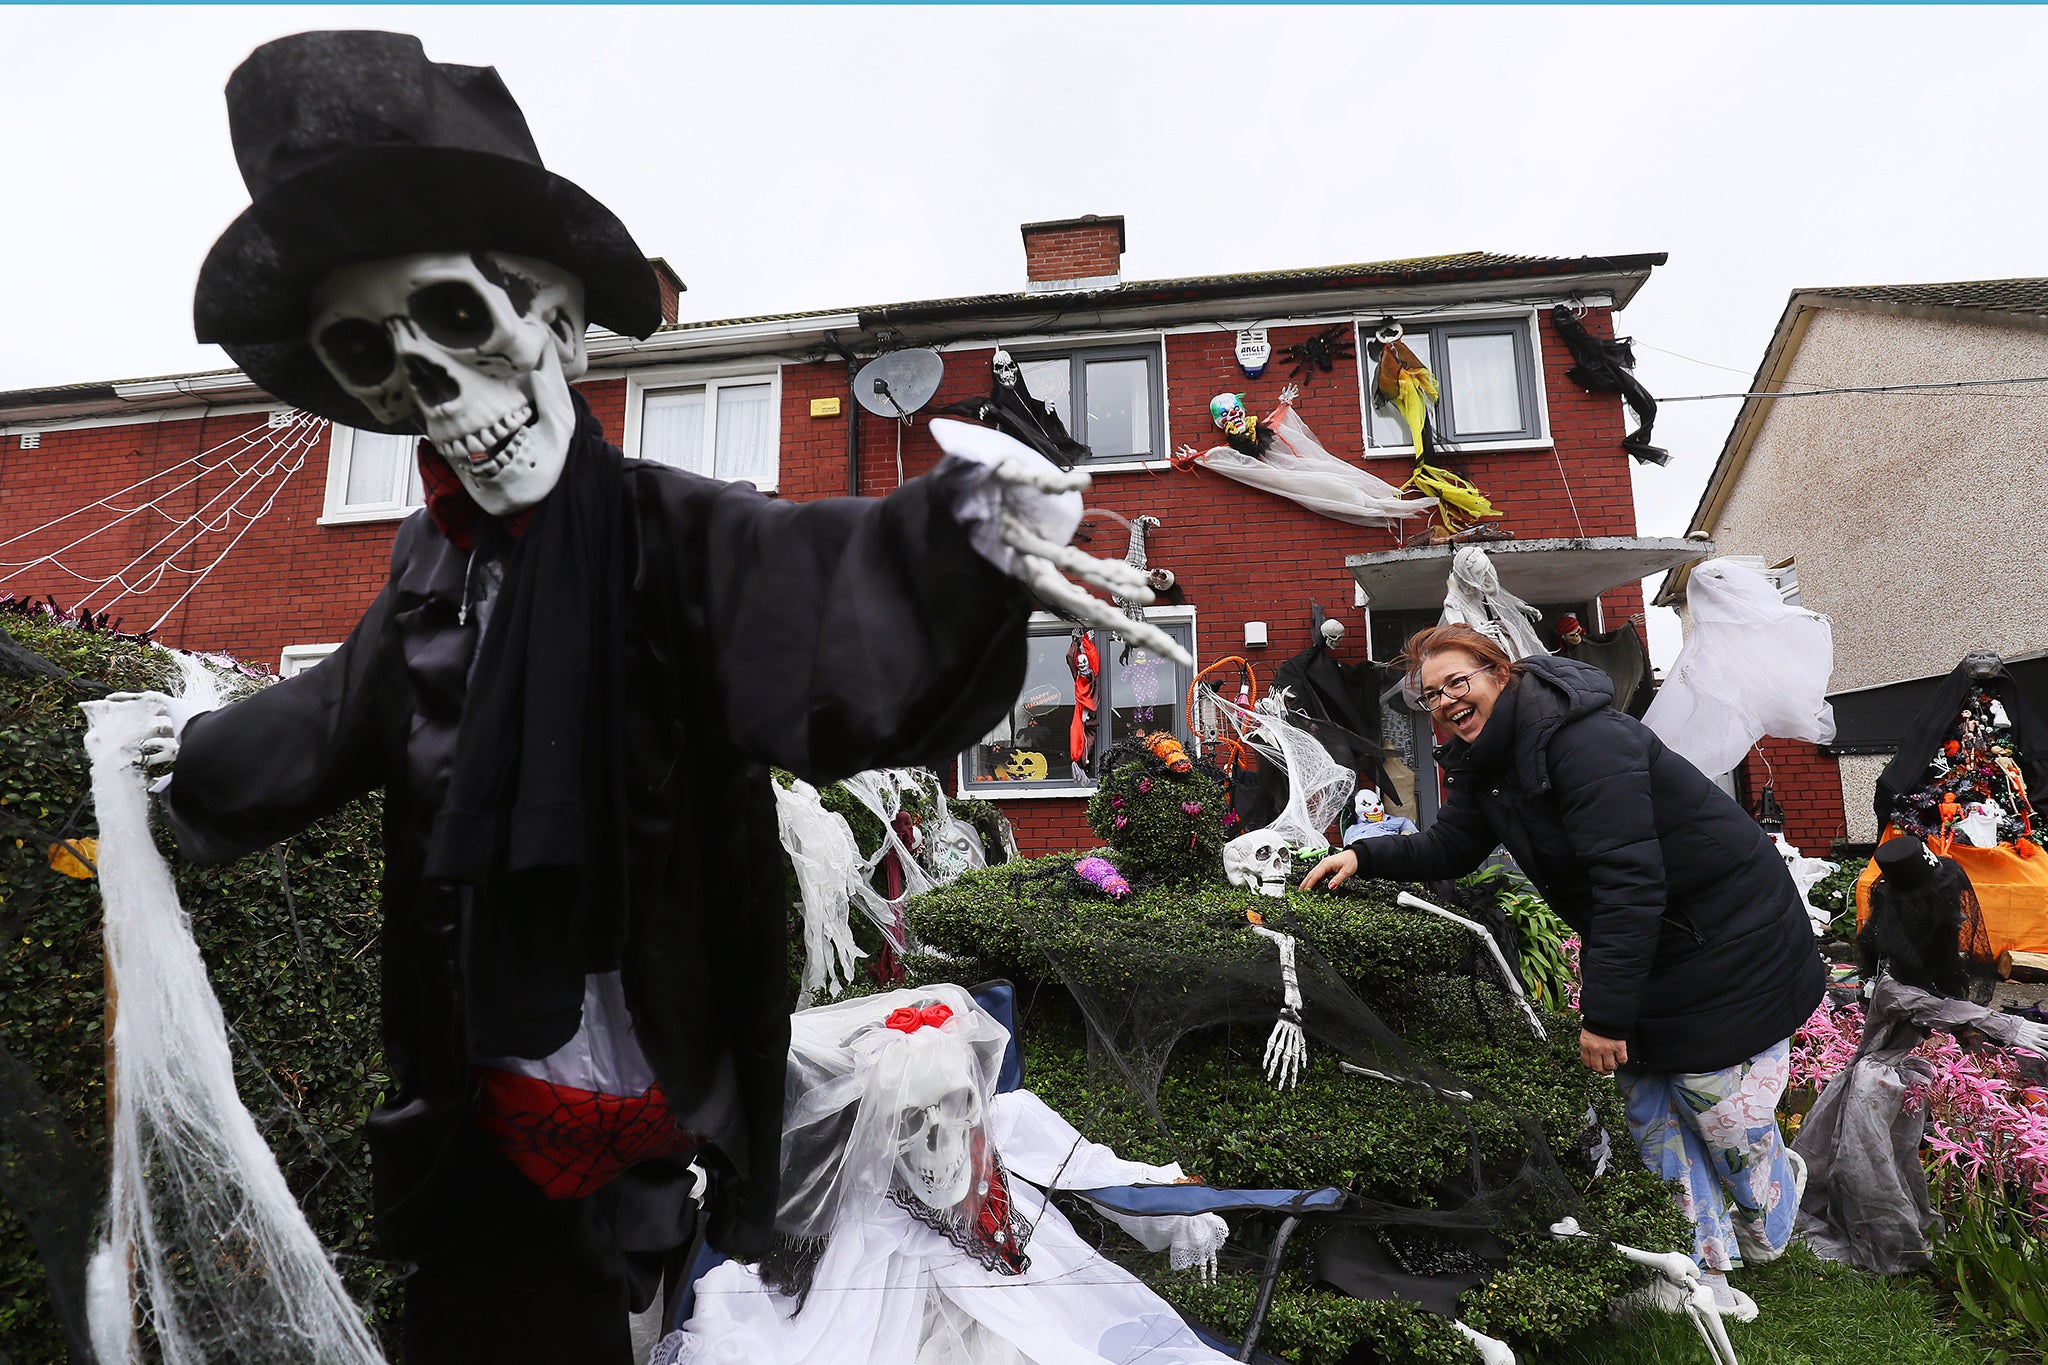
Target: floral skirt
1715	1133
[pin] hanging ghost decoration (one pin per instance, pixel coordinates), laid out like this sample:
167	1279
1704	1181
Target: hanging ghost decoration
1607	365
1753	665
1473	596
1282	456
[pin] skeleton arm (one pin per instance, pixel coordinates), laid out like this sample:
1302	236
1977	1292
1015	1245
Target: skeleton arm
1021	513
1678	1270
1286	1046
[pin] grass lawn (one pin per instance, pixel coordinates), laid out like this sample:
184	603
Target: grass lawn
1812	1313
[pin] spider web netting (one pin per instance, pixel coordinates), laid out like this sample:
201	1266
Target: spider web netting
1142	997
206	1256
1318	786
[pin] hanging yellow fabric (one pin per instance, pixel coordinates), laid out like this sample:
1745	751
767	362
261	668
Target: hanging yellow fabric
1406	382
1458	503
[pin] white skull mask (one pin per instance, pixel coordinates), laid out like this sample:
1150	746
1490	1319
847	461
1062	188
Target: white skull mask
955	847
1258	861
1006	370
476	348
941	1111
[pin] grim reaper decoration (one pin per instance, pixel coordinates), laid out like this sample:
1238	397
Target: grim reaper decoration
577	659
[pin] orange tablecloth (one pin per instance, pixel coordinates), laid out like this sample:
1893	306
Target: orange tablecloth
2012	890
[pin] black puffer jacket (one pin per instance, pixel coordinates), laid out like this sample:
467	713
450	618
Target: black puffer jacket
1696	950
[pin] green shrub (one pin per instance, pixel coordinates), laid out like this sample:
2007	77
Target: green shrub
309	1059
1158	823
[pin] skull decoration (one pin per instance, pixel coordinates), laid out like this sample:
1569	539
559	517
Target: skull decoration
1007	373
935	1132
1258	861
1227	411
954	848
476	348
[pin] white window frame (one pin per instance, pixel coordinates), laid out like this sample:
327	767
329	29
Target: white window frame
296	659
992	791
338	510
1531	320
640	383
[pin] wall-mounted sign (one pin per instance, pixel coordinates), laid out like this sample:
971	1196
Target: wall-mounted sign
824	407
1253	351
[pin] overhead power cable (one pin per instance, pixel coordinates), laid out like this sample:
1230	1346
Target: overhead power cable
1932	387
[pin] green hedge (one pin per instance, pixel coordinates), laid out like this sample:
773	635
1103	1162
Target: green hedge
1233	1129
306	1021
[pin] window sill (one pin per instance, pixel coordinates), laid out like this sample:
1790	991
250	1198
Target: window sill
351	516
1008	791
1125	467
1534	443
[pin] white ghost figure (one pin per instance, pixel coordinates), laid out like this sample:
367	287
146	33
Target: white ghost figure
475	348
1474	597
1752	665
1979	824
1806	873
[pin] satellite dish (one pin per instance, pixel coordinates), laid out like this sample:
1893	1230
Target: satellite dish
899	383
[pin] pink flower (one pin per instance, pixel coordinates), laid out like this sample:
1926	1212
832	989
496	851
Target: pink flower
1191	808
1144	785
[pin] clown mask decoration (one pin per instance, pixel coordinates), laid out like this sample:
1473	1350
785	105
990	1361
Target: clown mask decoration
1239	427
1371	810
477	349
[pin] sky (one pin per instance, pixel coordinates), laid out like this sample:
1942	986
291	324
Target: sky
795	158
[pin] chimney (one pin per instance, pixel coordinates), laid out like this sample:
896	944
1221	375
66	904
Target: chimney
1074	253
672	287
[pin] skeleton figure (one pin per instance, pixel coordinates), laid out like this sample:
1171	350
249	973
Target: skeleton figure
1011	407
1259	861
941	1112
1159	580
1286	1046
1474	597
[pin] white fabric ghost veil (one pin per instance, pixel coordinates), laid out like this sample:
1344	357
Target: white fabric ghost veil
1752	665
1475	598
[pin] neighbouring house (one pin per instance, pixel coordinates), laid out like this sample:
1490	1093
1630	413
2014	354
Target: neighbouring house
197	506
1912	519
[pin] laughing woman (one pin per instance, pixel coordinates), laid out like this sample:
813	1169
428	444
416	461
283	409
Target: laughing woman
1698	961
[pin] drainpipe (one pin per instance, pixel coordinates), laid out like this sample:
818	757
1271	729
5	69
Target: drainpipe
853	411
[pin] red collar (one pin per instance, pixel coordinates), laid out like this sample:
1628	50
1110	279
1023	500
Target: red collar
450	505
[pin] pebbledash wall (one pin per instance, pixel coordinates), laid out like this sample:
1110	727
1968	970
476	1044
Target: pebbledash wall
1240	555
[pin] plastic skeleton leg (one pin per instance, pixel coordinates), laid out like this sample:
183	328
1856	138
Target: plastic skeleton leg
1678	1269
1286	1046
1042	563
1491	1351
1414	902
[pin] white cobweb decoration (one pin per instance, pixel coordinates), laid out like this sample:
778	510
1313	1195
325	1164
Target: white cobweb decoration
1318	786
206	1257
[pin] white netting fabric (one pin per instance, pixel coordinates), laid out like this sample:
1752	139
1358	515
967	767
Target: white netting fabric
1474	597
1298	468
1318	786
1752	665
206	1256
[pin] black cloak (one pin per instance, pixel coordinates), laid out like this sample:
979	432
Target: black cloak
1907	772
1015	411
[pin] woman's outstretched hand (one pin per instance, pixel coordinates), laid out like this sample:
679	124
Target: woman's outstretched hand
1339	867
1601	1054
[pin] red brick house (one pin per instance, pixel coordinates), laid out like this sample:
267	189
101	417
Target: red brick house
196	505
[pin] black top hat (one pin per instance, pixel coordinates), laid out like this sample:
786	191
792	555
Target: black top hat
1905	861
356	147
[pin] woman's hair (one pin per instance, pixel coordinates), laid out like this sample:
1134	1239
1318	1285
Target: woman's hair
1439	639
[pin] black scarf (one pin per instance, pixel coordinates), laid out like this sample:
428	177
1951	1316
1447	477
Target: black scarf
534	816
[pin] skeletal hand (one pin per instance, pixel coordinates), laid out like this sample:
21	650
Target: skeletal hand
1186	454
160	748
1286	1053
1290	393
1039	508
1196	1240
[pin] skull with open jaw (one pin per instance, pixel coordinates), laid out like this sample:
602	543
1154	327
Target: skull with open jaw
476	348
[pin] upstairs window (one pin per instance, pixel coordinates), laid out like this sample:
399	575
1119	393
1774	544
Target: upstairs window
723	428
1486	371
371	476
1110	397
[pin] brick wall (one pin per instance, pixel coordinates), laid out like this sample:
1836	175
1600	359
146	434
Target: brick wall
1808	784
1078	250
1240	554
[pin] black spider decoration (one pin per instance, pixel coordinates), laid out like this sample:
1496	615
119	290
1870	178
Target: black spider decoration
1320	352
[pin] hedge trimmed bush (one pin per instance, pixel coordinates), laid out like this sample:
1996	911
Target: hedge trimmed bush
1234	1130
305	1017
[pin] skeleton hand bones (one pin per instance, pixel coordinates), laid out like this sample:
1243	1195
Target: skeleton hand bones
173	714
1286	1046
1020	516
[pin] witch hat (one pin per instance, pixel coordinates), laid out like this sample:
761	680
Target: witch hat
356	147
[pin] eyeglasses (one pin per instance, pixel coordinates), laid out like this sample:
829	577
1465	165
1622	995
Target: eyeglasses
1455	686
